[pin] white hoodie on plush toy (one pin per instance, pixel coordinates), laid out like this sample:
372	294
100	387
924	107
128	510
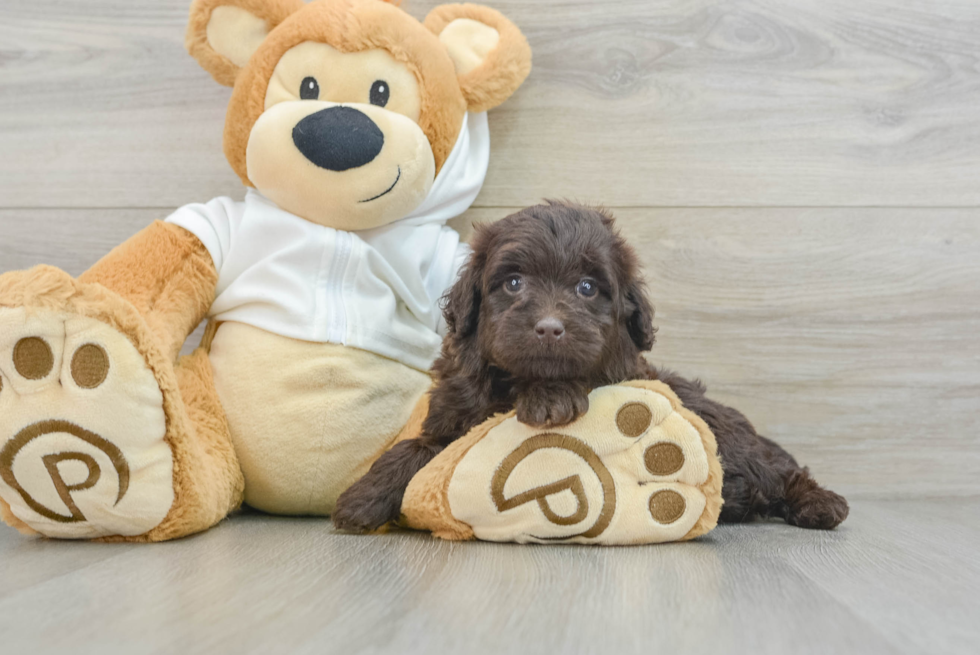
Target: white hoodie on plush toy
377	290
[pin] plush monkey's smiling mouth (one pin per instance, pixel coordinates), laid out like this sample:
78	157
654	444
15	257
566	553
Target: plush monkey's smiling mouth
388	190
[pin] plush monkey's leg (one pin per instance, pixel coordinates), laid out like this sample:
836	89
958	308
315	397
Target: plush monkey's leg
96	439
209	483
167	275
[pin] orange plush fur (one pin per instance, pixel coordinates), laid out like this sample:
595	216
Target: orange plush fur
507	65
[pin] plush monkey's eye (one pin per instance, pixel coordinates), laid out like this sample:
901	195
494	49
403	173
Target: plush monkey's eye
309	89
587	287
380	93
513	284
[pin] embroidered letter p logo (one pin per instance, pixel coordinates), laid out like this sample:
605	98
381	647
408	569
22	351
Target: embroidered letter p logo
53	465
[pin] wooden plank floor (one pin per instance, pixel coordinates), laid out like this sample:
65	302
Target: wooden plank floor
897	577
801	180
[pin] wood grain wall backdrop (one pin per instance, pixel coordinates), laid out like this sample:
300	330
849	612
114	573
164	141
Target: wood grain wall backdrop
636	102
802	178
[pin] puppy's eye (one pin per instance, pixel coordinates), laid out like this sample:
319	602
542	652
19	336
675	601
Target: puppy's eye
309	89
514	284
587	287
379	93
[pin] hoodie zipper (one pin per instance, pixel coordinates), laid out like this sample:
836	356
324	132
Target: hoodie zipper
337	323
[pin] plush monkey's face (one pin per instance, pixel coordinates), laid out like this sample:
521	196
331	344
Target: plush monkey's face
344	111
339	140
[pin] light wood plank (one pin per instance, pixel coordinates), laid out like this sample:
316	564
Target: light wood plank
877	583
673	103
848	335
897	577
70	239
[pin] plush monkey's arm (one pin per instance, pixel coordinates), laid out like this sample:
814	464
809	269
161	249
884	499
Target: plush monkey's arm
167	274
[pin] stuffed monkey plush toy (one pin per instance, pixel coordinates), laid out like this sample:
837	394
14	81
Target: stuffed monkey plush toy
358	132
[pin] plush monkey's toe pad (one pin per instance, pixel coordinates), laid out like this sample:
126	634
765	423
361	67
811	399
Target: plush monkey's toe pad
636	468
82	450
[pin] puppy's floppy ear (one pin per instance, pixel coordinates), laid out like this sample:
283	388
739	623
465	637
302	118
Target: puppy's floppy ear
223	34
636	310
461	305
491	56
639	317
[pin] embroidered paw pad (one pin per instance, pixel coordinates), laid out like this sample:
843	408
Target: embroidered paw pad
634	469
82	453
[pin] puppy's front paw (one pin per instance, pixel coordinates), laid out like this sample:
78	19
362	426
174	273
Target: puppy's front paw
547	405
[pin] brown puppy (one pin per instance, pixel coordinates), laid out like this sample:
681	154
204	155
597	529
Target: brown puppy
550	306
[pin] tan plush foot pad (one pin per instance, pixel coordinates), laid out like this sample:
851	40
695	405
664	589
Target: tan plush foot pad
82	425
638	468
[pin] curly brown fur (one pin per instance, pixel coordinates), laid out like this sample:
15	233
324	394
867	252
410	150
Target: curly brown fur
526	332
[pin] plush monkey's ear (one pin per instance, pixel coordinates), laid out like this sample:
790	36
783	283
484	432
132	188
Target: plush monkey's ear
223	34
491	55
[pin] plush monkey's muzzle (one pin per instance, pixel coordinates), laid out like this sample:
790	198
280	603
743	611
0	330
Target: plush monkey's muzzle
338	138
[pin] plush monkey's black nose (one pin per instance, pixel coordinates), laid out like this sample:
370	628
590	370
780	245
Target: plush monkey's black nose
549	329
338	138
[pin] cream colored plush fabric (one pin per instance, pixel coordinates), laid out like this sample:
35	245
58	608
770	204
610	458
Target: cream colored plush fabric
307	419
469	42
80	471
637	468
235	33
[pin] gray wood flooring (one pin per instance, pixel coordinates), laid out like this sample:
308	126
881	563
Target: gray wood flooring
896	577
802	180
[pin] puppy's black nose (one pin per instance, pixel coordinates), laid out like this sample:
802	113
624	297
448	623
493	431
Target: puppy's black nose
338	138
549	329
